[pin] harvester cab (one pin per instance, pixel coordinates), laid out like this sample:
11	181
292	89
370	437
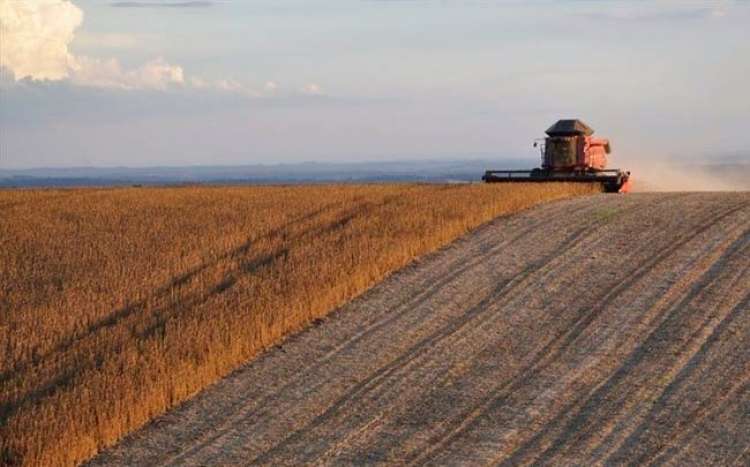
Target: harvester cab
569	154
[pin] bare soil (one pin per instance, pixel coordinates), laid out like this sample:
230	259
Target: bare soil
600	330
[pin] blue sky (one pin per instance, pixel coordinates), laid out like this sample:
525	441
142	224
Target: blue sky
105	83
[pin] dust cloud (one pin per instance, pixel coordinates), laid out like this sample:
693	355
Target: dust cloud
656	175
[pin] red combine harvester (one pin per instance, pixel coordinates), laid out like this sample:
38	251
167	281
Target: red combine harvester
569	154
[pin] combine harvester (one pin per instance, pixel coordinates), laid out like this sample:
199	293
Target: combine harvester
569	154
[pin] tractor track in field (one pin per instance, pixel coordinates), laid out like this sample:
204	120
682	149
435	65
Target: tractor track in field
599	330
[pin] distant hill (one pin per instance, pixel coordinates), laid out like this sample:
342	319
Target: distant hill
306	172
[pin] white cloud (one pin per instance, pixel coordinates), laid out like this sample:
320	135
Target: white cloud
268	89
36	37
271	87
156	74
312	89
36	34
228	85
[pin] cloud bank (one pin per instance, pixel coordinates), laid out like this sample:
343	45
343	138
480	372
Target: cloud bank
36	38
36	34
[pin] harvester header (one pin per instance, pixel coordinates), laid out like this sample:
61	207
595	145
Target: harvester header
569	154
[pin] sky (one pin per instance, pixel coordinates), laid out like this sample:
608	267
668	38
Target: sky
155	82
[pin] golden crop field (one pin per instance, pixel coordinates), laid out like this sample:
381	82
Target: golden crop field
118	304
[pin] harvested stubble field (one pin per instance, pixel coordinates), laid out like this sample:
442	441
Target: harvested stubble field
118	304
602	330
